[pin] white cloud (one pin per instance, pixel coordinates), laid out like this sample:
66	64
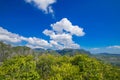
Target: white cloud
55	45
65	40
61	41
48	32
62	33
66	25
32	42
37	43
58	39
9	37
44	5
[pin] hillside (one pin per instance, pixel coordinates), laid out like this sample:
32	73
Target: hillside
66	51
7	51
24	63
113	59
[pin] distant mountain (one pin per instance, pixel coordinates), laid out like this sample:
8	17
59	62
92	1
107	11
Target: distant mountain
107	54
72	51
113	59
65	51
39	50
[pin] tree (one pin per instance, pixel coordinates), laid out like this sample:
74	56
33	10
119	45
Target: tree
56	67
19	68
44	64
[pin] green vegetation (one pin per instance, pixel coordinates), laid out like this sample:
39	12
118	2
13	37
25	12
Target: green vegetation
48	66
53	67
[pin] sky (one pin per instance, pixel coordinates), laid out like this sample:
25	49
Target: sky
93	25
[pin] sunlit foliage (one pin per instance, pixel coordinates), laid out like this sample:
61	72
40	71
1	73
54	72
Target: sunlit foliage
56	67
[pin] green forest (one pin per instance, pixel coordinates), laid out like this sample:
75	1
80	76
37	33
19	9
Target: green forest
22	63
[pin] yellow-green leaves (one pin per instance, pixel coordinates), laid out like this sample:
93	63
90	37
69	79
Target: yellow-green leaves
56	67
19	68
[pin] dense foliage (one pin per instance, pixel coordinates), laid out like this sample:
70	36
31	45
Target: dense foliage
56	67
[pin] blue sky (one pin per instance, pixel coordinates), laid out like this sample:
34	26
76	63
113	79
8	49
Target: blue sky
90	24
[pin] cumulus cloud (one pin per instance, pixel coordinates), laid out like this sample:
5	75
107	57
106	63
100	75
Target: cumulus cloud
7	36
61	36
66	26
48	32
62	32
65	40
37	43
55	45
33	42
44	5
